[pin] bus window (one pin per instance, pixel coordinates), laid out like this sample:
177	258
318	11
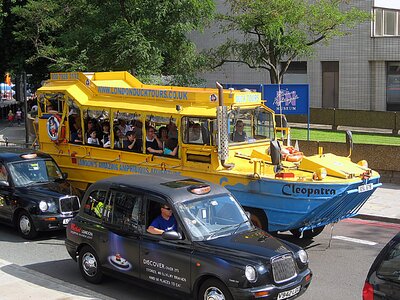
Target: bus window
250	125
162	136
95	122
198	130
127	131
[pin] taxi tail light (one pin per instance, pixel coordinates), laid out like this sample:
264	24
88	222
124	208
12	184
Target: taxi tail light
368	291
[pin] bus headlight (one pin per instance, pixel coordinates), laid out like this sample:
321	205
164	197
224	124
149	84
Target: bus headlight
321	173
363	163
251	273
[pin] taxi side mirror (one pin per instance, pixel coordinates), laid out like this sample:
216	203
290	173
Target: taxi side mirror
65	175
171	235
248	214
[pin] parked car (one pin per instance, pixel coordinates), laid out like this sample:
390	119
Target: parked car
383	279
215	252
34	194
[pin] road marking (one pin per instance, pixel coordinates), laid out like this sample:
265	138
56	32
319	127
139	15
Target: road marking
349	239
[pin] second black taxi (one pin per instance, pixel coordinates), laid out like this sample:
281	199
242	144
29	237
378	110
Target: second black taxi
183	234
34	194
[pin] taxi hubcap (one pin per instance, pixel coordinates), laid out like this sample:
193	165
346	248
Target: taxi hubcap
213	293
25	224
89	264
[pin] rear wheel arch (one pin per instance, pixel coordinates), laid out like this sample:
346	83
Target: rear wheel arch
258	217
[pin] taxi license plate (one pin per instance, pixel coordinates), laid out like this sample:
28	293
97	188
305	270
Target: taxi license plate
365	187
66	221
288	294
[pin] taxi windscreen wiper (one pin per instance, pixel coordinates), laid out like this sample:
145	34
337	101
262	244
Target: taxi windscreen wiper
240	225
218	231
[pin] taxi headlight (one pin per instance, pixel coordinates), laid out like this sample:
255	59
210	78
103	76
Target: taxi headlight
43	206
303	256
251	273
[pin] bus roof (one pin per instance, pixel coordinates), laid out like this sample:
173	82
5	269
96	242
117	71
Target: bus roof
121	90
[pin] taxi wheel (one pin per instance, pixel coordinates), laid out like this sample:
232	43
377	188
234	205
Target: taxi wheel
308	234
213	289
26	228
89	265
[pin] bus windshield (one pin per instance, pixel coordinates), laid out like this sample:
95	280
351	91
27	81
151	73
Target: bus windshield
250	125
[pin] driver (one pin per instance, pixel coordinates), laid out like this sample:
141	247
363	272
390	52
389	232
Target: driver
164	222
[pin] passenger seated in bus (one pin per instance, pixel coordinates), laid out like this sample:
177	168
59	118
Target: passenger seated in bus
76	137
171	147
163	134
91	126
239	135
93	140
195	135
124	127
132	143
105	140
153	143
118	138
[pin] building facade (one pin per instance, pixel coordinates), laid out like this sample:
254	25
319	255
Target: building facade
358	71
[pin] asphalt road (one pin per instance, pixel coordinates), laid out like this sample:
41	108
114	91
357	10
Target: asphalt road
339	264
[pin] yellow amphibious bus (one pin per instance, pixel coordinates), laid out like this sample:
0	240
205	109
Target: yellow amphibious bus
103	124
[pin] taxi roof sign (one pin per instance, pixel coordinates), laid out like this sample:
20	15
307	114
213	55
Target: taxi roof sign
200	189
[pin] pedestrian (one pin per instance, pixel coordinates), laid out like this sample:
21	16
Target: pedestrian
18	116
10	117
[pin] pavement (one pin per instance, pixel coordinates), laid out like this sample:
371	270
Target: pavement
18	282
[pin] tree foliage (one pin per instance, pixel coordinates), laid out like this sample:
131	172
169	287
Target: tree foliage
147	37
272	33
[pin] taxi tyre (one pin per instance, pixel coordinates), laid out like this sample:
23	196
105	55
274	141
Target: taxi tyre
309	233
25	225
89	265
214	289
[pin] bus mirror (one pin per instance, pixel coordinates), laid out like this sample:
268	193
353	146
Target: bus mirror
275	152
349	142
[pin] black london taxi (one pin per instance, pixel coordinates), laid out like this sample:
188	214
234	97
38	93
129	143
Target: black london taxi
383	279
214	253
34	194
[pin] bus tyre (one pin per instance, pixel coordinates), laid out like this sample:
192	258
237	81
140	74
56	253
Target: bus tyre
258	218
26	228
309	233
89	265
213	289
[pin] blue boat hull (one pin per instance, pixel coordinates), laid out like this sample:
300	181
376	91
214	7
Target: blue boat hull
303	205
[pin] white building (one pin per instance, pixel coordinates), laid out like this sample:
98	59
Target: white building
358	71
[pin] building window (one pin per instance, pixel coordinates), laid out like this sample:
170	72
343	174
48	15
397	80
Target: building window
393	86
386	22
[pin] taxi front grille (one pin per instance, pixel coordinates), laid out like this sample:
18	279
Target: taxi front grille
283	268
69	204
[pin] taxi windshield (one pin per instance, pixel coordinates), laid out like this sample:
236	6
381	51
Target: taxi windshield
30	172
212	217
249	125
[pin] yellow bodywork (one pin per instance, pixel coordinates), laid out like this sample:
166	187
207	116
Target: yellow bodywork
120	91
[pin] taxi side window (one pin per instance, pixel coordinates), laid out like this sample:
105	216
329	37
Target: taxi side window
95	204
122	210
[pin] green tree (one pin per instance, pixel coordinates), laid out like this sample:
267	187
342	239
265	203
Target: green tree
272	33
147	37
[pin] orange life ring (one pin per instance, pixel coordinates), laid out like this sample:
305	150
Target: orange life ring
292	155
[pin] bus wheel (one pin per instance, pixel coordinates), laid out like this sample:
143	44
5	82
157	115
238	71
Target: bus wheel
258	218
309	233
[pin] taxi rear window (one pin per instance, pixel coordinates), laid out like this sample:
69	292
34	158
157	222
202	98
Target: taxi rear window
182	183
